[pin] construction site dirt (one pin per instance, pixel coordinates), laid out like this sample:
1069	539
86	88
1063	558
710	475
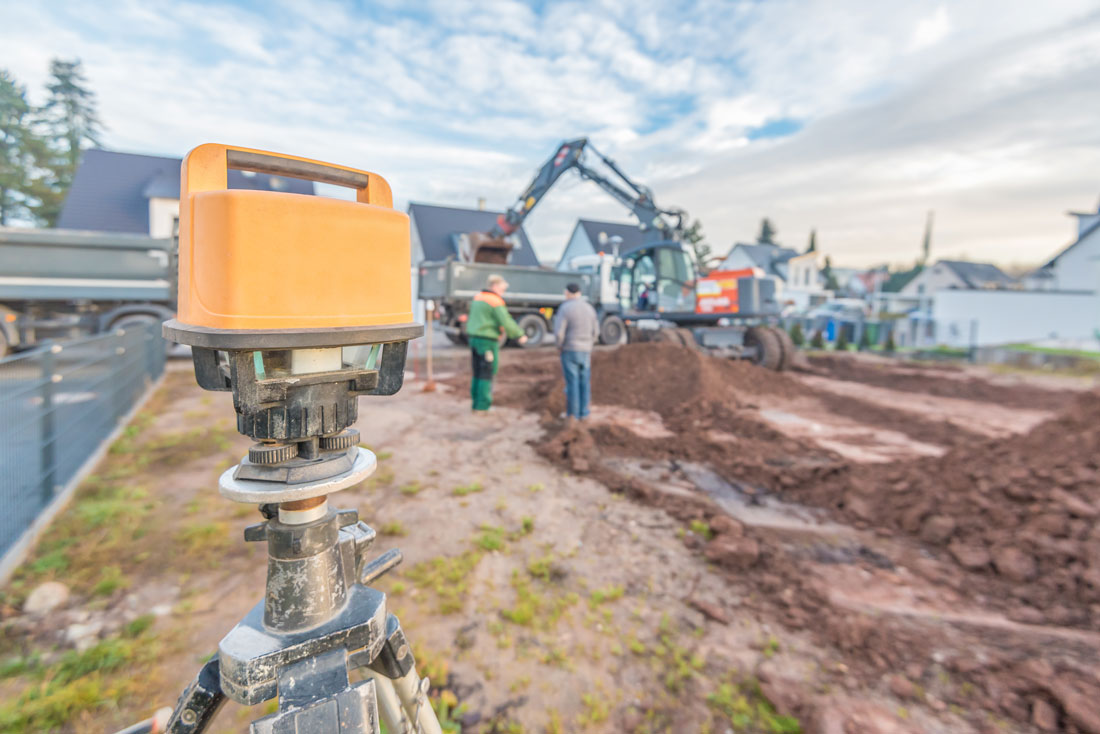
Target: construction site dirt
869	545
957	542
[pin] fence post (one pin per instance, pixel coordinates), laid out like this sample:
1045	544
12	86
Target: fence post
119	364
49	431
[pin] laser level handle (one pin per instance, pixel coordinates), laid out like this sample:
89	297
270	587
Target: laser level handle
244	160
205	167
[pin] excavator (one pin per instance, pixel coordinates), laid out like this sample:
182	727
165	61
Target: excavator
652	292
495	246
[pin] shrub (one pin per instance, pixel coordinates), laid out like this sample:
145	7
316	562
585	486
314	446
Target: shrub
817	341
864	340
890	346
841	339
796	334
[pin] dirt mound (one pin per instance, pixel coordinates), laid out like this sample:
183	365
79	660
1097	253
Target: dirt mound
1021	511
945	381
647	376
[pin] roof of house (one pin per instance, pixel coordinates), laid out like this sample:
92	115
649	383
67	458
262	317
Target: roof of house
900	279
767	257
978	275
630	233
1080	238
437	226
111	191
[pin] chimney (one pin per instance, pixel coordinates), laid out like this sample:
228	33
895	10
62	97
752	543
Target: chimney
481	203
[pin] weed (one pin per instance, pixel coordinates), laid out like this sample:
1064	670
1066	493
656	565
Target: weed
701	528
397	589
534	488
383	455
491	538
636	646
204	537
411	489
553	726
771	647
746	708
466	489
599	596
447	577
541	568
111	580
527	525
596	710
393	528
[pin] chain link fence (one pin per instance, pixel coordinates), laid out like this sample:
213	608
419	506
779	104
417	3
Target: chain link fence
58	404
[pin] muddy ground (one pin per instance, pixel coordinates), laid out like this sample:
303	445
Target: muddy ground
868	546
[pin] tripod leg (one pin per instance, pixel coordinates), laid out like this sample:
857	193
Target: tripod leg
389	704
199	702
395	664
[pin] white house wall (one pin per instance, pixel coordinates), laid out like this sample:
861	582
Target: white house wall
1074	269
931	280
163	214
1006	317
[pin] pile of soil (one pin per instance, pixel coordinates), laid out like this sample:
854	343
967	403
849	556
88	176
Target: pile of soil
1020	510
654	376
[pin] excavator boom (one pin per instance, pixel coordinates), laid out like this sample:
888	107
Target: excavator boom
495	247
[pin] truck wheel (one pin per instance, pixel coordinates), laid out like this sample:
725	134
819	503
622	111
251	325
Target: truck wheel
534	326
769	352
787	345
612	331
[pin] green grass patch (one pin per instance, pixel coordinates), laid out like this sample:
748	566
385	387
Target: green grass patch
393	528
746	708
466	489
600	596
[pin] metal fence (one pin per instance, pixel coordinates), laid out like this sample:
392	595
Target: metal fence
58	404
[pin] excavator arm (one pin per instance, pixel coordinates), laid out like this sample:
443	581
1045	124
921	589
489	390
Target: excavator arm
493	246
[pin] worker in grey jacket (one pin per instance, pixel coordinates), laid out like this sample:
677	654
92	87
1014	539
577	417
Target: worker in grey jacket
576	327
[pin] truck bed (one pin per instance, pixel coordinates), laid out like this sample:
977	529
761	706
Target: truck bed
449	280
67	265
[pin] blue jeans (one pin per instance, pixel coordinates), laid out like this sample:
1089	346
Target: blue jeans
577	368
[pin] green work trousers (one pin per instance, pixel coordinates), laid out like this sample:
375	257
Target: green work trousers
481	386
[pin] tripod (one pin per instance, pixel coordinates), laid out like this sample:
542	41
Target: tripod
319	618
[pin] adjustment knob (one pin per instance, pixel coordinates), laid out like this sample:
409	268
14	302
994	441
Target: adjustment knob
343	440
271	453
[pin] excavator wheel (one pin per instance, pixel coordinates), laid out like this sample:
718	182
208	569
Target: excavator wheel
787	345
769	350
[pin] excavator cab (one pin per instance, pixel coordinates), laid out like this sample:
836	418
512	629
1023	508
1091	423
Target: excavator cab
657	281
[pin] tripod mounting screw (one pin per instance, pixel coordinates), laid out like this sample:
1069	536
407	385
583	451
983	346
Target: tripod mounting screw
343	440
271	453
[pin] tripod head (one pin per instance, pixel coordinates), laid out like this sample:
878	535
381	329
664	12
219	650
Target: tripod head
298	305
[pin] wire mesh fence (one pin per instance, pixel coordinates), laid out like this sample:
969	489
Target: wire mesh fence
58	403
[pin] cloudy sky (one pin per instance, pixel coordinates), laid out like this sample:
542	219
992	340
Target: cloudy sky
849	116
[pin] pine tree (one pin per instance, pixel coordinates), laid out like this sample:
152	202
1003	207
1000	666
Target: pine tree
830	277
16	142
767	233
841	338
813	241
694	236
864	340
68	123
817	341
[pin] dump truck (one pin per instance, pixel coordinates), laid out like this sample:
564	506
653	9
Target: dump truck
651	293
60	284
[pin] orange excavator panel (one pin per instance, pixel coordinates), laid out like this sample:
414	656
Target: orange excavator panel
270	260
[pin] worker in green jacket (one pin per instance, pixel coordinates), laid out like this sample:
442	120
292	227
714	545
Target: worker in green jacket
488	317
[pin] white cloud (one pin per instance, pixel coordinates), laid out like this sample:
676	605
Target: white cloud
931	30
985	112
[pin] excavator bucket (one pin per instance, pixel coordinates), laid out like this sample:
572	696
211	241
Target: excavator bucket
486	249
